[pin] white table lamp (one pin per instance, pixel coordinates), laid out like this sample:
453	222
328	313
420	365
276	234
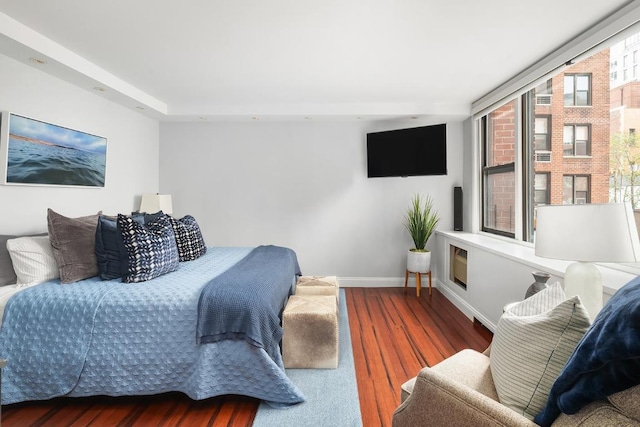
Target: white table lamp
152	203
587	233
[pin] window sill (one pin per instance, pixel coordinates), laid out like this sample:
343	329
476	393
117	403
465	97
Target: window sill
577	157
522	252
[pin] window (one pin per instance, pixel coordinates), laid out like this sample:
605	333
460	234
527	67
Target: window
575	140
499	130
591	155
541	188
543	93
576	190
577	89
526	163
542	133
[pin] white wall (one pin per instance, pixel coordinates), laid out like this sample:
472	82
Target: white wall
132	149
304	186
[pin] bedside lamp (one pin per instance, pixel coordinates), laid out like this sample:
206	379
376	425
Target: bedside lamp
152	203
587	233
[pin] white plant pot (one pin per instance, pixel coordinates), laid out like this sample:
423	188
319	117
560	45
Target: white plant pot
419	262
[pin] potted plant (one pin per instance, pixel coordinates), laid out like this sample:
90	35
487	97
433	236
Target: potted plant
421	220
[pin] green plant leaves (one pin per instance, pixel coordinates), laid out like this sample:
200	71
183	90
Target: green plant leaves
421	220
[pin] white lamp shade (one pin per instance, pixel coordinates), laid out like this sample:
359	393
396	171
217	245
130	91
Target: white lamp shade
152	203
590	232
587	233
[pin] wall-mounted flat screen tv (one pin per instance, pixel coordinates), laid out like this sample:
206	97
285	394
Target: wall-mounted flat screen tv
407	152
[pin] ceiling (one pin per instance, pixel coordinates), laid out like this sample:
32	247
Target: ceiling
261	60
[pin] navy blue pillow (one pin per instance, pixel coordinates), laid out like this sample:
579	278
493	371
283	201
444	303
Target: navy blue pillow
606	360
188	238
151	248
112	256
149	217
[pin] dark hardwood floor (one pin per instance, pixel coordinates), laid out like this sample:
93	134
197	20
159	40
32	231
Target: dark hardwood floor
393	337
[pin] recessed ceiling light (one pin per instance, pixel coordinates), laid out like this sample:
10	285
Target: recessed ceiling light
99	89
38	61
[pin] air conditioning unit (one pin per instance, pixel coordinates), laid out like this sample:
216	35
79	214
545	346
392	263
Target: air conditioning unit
543	99
543	156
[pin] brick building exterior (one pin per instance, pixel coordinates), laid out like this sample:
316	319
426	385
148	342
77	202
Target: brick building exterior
570	136
578	172
500	213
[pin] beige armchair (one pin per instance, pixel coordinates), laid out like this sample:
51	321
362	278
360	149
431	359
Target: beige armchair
459	391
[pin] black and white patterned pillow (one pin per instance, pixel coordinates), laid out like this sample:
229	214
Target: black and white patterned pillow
151	248
188	238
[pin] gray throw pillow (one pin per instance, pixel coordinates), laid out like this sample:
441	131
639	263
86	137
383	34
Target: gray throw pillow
533	341
74	243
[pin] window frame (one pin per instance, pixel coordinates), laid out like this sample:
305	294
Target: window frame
488	171
573	143
575	90
573	185
548	118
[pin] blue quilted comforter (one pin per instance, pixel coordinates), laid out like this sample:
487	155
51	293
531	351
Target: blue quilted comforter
98	337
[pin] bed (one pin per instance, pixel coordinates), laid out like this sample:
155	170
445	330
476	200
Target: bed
105	337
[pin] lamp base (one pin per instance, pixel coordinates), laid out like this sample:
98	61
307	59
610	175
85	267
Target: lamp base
584	279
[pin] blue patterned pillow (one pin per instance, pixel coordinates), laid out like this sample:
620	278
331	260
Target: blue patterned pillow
112	256
151	248
188	238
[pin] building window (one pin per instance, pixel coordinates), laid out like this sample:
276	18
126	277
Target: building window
576	140
542	133
575	190
541	189
543	93
577	89
499	133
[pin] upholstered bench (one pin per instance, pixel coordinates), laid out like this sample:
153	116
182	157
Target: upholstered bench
310	332
318	285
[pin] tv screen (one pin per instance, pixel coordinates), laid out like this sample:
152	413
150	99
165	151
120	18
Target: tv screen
407	152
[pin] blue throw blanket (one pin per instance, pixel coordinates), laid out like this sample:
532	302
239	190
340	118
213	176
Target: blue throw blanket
245	302
606	360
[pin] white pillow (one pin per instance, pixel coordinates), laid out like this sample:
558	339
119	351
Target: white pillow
533	341
33	259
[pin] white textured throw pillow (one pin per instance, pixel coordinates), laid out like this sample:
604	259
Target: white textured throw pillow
33	259
533	341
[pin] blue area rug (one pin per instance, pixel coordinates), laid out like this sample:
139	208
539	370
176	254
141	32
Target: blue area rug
332	394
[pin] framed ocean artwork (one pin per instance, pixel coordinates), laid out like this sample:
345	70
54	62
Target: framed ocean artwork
34	152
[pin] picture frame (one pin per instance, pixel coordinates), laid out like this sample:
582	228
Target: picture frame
34	152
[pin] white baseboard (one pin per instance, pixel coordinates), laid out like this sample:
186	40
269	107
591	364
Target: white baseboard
465	307
373	282
382	282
